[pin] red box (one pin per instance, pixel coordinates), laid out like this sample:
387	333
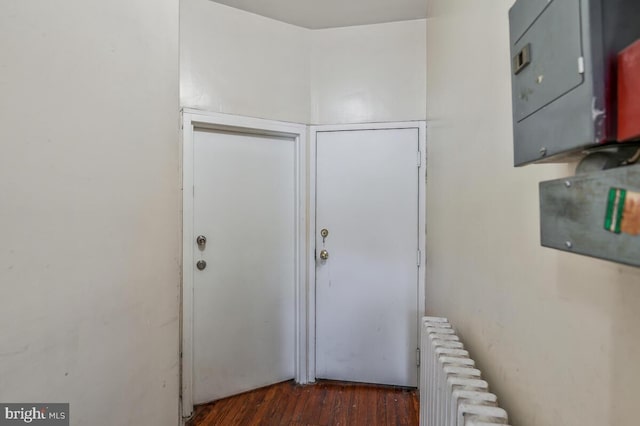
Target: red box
629	93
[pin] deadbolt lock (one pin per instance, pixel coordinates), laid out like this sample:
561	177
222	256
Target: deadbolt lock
201	264
324	233
201	241
324	255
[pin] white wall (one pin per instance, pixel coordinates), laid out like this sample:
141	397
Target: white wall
368	73
558	335
89	217
236	62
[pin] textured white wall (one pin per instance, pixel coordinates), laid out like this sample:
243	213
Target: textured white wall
89	217
368	73
558	335
235	62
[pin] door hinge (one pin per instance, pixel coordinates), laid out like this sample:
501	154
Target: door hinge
581	65
419	159
419	254
418	357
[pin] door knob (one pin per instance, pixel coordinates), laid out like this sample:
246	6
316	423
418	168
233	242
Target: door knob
201	241
201	264
324	255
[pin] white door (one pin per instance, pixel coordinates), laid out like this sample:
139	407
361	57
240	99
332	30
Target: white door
367	289
244	205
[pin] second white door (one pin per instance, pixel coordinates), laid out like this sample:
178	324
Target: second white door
367	195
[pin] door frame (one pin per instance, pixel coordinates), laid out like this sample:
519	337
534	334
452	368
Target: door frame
422	223
193	120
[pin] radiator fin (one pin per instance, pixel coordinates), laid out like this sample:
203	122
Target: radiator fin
452	391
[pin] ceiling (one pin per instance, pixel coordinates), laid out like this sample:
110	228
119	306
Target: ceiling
316	14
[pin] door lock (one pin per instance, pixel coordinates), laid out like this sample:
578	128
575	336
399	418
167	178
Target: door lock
201	264
201	241
324	255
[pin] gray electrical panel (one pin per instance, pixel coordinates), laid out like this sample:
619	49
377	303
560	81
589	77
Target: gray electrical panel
563	61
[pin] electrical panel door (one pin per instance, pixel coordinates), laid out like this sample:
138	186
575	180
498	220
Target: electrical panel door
563	73
543	74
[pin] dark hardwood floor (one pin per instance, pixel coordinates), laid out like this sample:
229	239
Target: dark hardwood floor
325	403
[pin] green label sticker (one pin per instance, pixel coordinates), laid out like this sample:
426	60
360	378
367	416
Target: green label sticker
623	212
615	208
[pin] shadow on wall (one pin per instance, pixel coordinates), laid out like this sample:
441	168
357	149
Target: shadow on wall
625	344
611	292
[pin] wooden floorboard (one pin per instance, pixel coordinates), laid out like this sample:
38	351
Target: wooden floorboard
325	403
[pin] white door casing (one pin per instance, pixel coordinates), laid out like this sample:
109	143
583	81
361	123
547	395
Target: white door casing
370	187
243	188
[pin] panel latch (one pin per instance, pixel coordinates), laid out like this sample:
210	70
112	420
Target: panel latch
522	59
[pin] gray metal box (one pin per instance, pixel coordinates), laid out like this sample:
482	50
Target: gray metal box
564	73
574	215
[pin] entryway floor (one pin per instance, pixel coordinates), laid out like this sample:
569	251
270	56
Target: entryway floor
325	403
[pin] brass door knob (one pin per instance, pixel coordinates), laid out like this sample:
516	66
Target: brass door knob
324	255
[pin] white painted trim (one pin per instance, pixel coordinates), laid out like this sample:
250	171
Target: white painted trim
384	125
422	230
422	221
192	120
311	265
186	351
